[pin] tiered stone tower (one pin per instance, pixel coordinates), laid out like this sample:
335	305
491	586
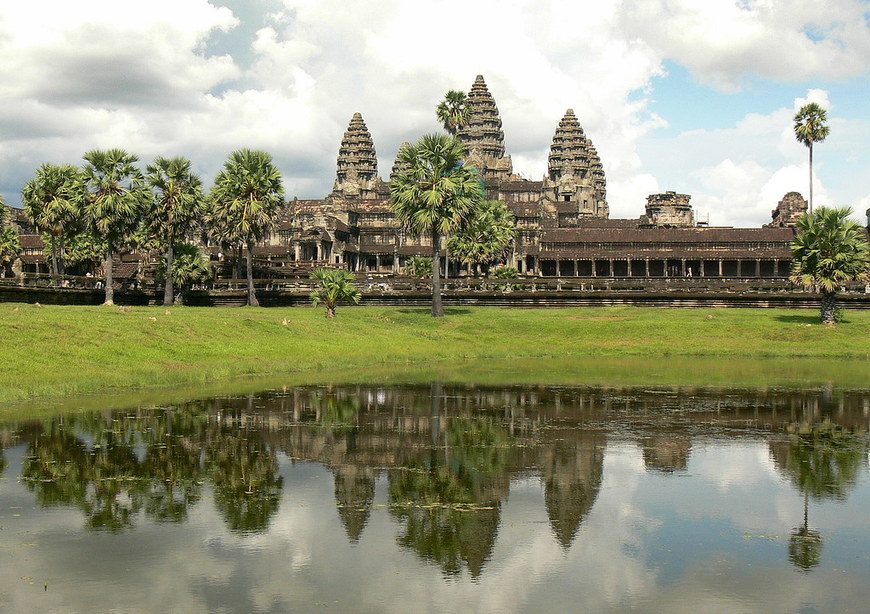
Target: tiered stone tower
787	211
398	165
575	172
357	163
668	210
483	135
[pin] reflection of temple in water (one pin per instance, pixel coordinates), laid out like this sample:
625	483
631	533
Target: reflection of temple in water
448	466
666	454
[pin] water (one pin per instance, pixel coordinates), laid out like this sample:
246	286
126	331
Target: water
443	498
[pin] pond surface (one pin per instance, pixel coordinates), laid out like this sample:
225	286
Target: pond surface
443	498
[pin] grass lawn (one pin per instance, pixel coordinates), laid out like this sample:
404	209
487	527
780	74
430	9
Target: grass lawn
54	351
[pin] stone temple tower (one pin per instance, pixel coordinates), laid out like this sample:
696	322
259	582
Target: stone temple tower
483	135
575	174
357	163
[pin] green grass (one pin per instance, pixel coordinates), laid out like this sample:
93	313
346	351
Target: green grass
54	351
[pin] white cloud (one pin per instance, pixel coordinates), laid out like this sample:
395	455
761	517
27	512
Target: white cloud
723	41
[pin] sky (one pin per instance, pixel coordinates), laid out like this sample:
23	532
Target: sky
692	96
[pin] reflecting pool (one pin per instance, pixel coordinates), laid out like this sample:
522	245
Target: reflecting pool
443	497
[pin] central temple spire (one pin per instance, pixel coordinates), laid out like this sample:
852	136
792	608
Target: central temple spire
483	135
575	173
357	174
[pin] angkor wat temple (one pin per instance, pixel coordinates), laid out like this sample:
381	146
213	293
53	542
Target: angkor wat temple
563	219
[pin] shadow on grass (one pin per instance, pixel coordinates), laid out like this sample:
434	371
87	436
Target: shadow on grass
807	319
448	311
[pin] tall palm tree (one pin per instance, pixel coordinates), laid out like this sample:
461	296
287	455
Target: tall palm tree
178	204
115	199
454	112
336	286
435	195
487	237
248	193
809	128
52	202
828	251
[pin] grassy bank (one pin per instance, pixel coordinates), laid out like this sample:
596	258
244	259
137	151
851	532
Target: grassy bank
50	351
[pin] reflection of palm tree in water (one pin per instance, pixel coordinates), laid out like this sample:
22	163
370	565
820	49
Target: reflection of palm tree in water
823	462
805	544
450	502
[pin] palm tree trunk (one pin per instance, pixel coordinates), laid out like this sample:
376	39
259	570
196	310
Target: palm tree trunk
168	290
811	177
829	308
53	255
237	266
60	256
437	308
252	295
110	291
330	311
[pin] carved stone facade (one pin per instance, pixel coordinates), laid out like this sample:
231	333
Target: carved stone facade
787	212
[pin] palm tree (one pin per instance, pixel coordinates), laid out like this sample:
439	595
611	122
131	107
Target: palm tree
336	286
115	199
189	265
454	111
52	202
435	195
828	251
177	206
248	193
809	128
488	236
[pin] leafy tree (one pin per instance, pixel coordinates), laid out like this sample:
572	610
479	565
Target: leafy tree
177	206
487	237
247	194
189	266
335	286
828	251
84	247
508	272
434	195
115	199
52	202
10	242
810	128
454	112
419	266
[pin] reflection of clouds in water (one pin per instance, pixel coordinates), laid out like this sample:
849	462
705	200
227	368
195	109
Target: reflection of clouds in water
732	467
305	559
